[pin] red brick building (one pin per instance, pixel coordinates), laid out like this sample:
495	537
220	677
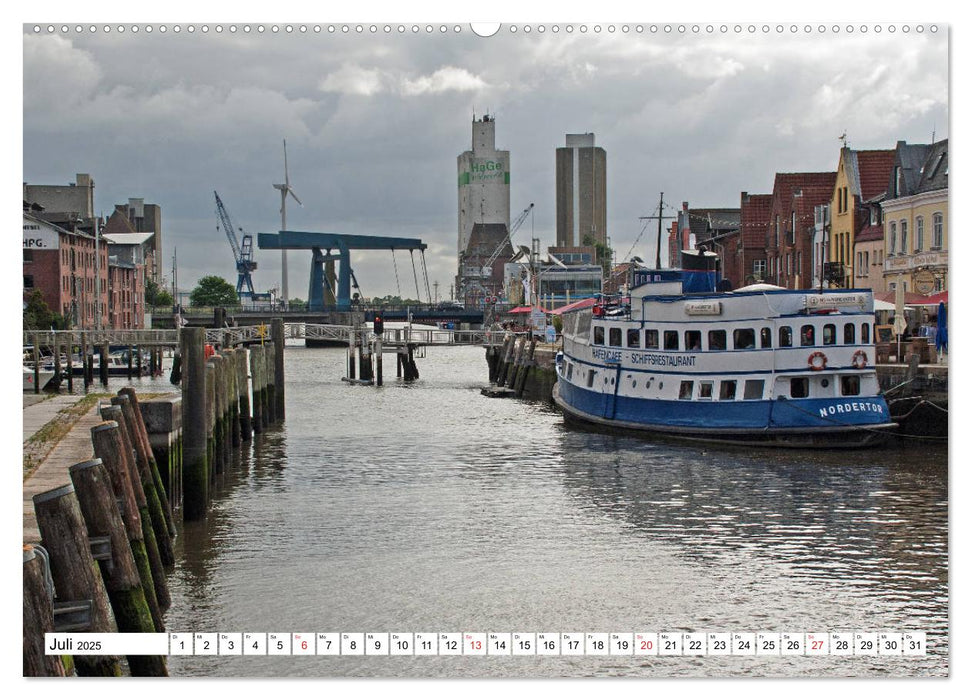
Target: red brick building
60	263
789	245
749	264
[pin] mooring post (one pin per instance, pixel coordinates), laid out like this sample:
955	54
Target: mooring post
103	369
232	374
73	570
92	485
212	456
268	368
219	422
279	345
525	369
350	354
242	377
57	362
379	352
109	448
195	468
70	364
152	497
155	565
38	618
264	384
254	361
142	432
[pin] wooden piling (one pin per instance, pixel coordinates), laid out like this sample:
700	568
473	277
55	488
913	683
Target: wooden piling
218	421
507	347
156	569
38	617
57	364
264	383
212	456
103	368
155	509
269	408
379	351
517	359
109	447
232	407
70	365
245	422
279	348
195	467
526	368
122	581
129	361
254	361
73	570
146	447
36	363
398	358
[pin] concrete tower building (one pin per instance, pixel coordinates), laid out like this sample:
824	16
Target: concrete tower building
581	191
483	182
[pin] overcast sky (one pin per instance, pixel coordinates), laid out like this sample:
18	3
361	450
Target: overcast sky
374	123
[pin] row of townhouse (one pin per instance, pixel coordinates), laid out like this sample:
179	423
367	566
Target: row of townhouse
90	270
878	222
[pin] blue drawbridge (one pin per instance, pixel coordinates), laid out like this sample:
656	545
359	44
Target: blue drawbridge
334	246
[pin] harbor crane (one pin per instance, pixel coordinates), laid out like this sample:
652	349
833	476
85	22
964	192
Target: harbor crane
487	268
242	253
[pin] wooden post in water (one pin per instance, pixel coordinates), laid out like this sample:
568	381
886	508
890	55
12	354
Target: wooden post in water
155	565
218	424
195	467
254	362
264	383
525	369
109	447
269	359
122	582
57	363
232	374
70	364
146	448
129	360
73	570
279	345
379	352
103	369
245	424
155	509
36	363
351	349
211	455
38	617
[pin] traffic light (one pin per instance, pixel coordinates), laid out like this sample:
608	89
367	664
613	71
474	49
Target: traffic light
378	325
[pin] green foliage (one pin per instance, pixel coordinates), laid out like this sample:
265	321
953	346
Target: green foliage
558	323
604	254
390	300
155	295
39	317
297	305
213	290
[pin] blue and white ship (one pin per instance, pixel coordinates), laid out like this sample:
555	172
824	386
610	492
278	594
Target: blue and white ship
757	365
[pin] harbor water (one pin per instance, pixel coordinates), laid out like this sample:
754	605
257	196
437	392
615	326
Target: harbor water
430	508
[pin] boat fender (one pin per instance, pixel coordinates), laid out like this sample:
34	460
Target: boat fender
597	311
817	361
859	359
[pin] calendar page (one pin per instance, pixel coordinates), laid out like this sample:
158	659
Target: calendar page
417	421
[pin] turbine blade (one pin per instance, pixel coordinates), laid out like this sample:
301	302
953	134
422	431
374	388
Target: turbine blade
286	170
294	195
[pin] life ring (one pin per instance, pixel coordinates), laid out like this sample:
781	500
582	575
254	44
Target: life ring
817	361
859	359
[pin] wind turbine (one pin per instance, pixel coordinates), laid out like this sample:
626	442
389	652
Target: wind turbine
285	189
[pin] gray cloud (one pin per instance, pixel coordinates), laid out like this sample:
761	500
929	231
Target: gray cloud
374	124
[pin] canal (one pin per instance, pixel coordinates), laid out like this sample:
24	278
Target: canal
430	508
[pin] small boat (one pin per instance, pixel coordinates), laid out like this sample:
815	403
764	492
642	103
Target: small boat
43	376
760	365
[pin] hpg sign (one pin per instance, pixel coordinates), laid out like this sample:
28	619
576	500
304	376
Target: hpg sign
37	237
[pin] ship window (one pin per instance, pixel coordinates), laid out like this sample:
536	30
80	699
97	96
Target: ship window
727	391
799	387
616	337
785	336
753	389
692	340
829	334
687	387
766	335
590	377
650	338
744	338
583	324
633	337
808	336
850	385
849	334
705	389
598	335
865	333
670	340
716	340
